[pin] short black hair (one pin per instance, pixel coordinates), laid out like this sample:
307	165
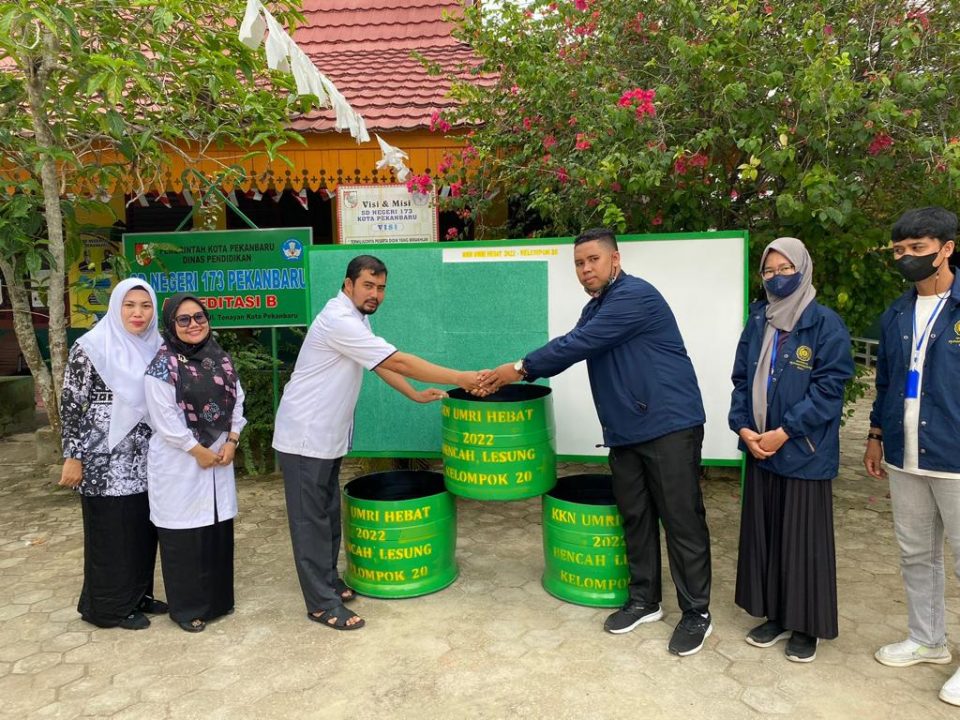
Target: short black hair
604	236
365	262
934	222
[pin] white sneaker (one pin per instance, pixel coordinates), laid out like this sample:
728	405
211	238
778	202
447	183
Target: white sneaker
908	652
950	692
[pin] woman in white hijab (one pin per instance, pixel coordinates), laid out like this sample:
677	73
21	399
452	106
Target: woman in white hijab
105	442
792	364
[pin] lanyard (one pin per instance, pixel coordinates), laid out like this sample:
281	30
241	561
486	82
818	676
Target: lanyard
923	335
773	356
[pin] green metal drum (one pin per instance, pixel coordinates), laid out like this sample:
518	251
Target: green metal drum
584	555
400	533
500	447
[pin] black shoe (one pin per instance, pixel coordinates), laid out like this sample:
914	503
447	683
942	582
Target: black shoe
802	647
632	614
767	635
153	606
690	633
135	621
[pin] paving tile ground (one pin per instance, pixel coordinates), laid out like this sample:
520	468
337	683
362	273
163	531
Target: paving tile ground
492	645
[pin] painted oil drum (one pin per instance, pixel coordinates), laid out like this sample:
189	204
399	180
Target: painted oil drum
585	560
400	534
501	447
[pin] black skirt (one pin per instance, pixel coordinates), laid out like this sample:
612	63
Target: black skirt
786	567
119	557
197	568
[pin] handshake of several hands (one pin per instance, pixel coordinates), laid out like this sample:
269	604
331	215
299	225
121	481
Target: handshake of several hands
486	382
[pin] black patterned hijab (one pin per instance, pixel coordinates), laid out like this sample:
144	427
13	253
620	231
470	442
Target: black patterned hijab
202	373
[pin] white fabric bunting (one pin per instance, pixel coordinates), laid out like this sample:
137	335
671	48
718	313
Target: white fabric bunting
285	55
393	157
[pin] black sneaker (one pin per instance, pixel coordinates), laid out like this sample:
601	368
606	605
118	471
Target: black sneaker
632	614
767	635
802	647
135	621
690	633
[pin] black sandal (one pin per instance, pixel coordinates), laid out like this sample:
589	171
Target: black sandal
346	593
193	626
340	615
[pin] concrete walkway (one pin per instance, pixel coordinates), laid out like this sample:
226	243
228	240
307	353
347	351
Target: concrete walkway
493	645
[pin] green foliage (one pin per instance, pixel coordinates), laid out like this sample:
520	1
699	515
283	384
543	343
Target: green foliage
254	366
819	120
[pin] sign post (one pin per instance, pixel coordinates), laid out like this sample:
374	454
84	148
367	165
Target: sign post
386	214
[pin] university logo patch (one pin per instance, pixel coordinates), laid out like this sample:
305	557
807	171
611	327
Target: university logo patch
804	353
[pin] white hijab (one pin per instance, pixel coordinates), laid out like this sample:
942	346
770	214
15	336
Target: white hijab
121	359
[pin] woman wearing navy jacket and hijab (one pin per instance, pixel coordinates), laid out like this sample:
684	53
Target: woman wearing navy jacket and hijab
792	364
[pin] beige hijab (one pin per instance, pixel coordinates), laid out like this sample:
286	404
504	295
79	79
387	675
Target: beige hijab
782	314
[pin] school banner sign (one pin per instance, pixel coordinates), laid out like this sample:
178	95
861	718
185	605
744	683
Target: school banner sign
385	214
245	278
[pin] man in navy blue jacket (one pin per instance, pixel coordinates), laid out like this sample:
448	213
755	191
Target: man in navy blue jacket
650	408
915	430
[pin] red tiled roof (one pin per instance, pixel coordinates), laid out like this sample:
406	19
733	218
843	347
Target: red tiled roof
365	46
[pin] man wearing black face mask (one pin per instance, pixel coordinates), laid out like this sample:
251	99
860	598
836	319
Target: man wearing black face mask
915	428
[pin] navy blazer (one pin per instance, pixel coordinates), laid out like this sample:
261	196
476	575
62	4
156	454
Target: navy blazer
939	426
642	380
806	392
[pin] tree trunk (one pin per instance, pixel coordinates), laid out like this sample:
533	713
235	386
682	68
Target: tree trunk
37	77
27	338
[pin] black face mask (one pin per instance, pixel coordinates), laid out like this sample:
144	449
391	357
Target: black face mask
917	267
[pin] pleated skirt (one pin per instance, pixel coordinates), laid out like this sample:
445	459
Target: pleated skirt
119	557
197	566
786	567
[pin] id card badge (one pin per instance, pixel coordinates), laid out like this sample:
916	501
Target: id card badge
912	390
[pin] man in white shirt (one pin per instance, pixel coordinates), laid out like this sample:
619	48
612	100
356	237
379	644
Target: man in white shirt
913	430
315	421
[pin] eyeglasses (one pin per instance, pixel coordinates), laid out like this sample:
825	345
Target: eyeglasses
184	320
768	273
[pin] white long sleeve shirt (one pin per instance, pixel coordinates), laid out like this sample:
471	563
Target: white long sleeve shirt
182	494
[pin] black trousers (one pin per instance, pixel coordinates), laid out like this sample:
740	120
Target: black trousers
119	557
312	490
655	482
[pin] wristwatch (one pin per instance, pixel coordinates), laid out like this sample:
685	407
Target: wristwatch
521	370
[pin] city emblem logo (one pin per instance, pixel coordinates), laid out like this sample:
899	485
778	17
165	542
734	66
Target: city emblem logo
804	353
292	249
351	198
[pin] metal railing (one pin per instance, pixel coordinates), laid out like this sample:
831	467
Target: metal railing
865	351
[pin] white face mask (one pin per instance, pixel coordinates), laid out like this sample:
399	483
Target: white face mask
614	274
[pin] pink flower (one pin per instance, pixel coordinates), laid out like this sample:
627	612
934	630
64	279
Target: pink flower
657	219
562	174
734	195
452	233
581	4
455	189
445	164
698	160
615	186
572	122
583	142
680	165
881	141
767	9
641	100
549	141
828	30
419	184
921	17
527	123
434	119
593	202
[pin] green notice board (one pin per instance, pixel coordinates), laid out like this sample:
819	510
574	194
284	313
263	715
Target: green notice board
479	304
246	278
460	316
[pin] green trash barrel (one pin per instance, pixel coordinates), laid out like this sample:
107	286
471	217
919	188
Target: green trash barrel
400	533
585	560
501	447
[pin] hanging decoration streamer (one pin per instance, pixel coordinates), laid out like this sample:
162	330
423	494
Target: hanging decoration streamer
285	55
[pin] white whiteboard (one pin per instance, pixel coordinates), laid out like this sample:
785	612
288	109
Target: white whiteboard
702	278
